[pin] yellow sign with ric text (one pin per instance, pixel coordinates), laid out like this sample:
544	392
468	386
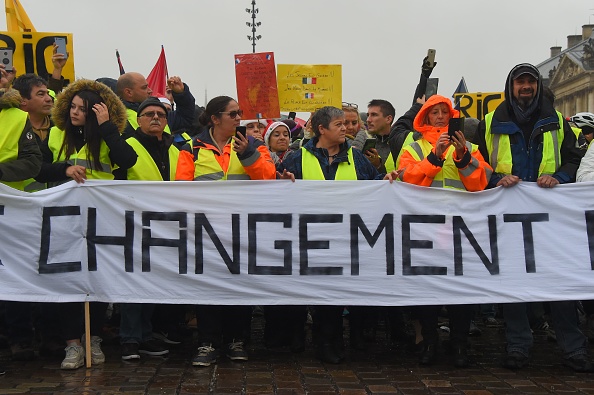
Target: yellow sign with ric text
32	52
306	88
477	105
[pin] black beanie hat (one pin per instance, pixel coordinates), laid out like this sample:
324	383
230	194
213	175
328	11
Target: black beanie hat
151	101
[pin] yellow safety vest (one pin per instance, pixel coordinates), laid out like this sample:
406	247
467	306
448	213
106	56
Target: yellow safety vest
133	119
500	155
145	168
55	141
449	176
206	167
13	122
408	140
311	169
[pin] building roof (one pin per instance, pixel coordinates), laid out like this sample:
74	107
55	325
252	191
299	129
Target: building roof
575	54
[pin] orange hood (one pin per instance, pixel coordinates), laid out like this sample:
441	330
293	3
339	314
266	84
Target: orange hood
431	133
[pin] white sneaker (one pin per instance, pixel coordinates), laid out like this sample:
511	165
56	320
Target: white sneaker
75	357
97	356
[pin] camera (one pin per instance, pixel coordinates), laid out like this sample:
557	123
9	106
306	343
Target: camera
6	58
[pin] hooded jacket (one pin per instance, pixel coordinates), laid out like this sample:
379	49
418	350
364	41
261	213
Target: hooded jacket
20	158
120	152
526	139
471	169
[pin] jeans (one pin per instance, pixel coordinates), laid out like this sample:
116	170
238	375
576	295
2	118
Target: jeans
565	323
135	324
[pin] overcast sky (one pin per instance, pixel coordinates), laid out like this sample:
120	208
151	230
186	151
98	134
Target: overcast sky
379	43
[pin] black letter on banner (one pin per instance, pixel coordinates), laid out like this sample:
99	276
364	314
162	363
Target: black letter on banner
590	232
46	230
286	245
305	244
92	240
202	222
526	220
148	241
459	225
407	244
386	223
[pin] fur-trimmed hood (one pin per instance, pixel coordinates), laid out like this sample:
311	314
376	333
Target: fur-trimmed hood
61	109
10	98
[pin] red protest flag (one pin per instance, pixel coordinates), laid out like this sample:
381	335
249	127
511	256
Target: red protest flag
157	78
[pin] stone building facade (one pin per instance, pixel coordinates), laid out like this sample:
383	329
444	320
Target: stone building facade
570	73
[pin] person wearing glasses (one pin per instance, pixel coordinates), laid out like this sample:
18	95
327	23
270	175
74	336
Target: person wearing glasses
133	89
158	160
222	154
85	143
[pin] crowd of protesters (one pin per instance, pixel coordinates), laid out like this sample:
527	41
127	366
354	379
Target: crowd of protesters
115	129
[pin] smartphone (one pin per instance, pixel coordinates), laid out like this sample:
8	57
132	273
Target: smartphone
431	57
61	43
241	130
369	144
454	125
431	88
6	58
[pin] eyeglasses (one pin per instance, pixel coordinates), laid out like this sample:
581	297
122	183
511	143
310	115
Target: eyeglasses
233	114
352	105
151	114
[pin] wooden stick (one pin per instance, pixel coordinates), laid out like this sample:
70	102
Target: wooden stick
87	334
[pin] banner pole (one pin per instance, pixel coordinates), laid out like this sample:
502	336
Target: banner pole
87	334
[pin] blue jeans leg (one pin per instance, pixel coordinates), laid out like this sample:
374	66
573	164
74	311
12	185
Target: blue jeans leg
135	324
517	331
565	322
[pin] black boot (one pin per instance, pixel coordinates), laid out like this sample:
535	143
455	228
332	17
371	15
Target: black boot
460	356
326	353
428	354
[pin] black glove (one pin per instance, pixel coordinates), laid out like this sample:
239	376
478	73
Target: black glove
426	69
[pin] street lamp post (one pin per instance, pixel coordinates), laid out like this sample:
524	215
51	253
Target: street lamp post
253	38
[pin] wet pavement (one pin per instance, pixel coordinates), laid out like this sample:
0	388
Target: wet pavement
380	368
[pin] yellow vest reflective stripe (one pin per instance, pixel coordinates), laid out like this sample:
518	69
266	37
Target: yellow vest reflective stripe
33	186
449	176
311	169
390	165
499	149
54	142
408	140
207	168
12	121
576	131
133	119
145	168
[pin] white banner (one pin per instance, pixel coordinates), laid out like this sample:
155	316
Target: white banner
308	242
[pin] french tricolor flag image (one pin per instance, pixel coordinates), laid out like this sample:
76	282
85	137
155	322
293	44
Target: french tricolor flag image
268	56
237	61
309	95
309	80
